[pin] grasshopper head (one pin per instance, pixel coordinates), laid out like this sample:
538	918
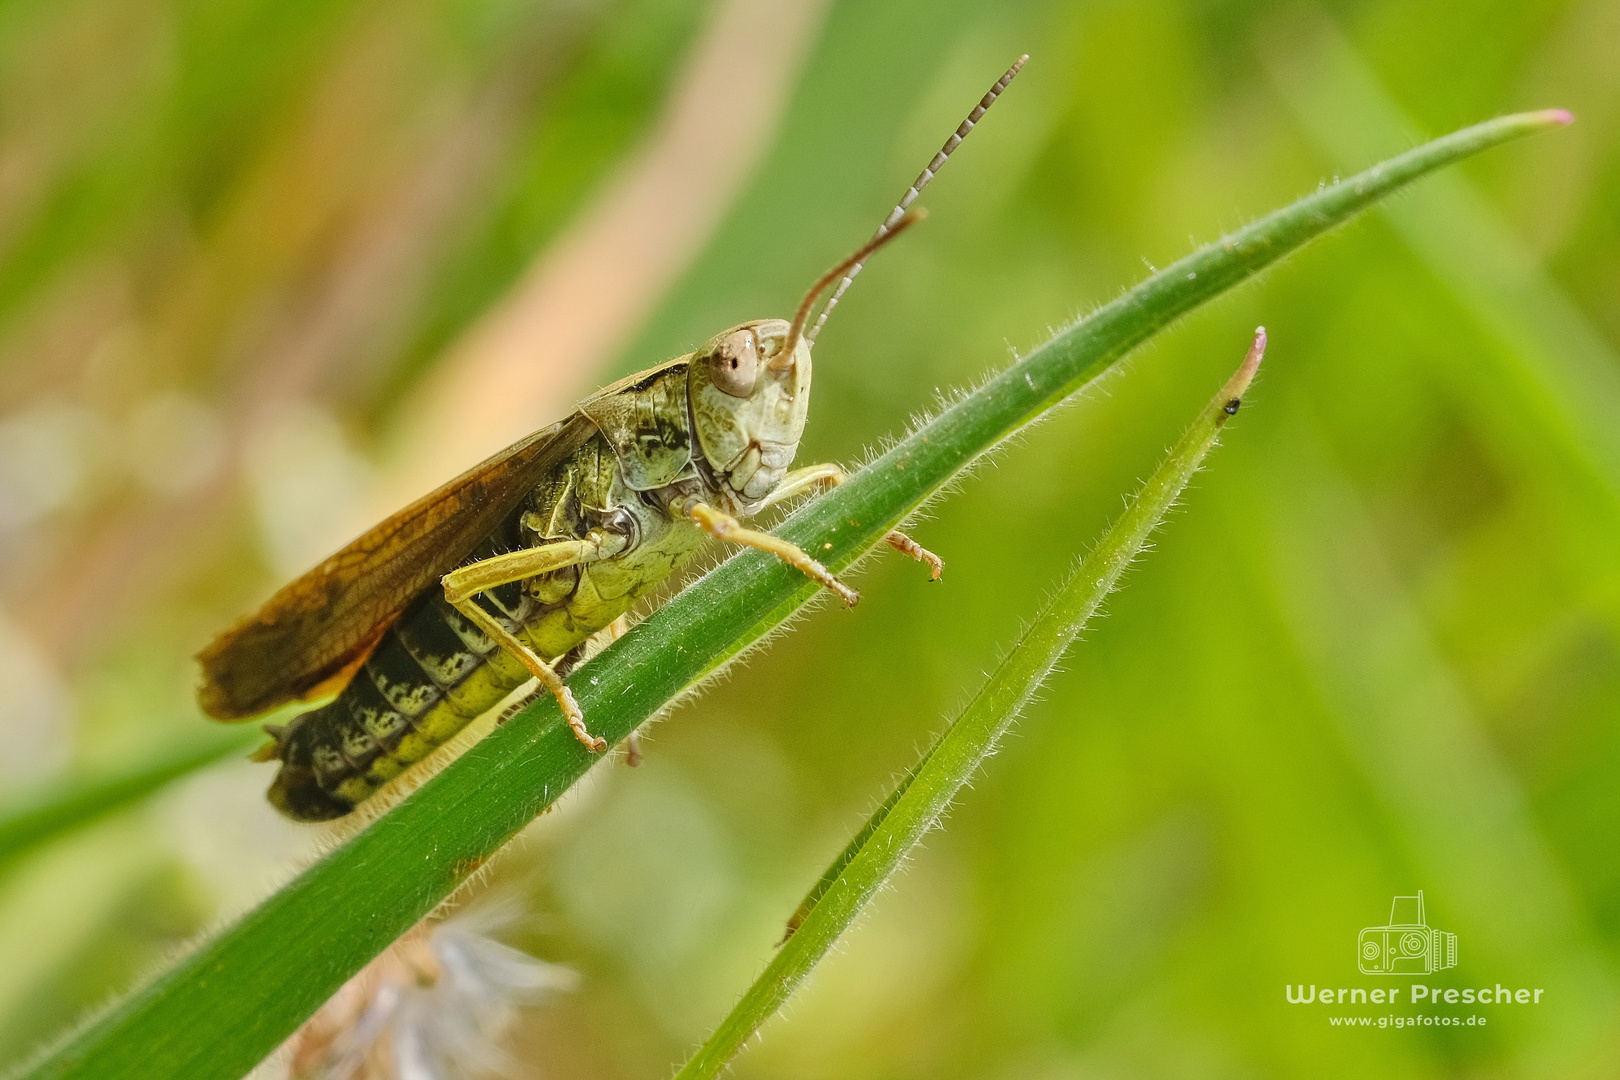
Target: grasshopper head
750	387
749	400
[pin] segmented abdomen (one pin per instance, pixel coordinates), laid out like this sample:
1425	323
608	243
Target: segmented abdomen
431	675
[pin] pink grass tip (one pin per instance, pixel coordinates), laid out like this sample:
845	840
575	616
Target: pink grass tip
1231	395
1558	116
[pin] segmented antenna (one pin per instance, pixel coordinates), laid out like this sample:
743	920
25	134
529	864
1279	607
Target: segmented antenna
918	184
783	360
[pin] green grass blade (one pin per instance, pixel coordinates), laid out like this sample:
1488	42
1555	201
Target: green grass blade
853	848
221	1009
34	820
923	796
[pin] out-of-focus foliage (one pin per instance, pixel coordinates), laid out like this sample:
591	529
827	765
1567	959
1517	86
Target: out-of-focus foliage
237	238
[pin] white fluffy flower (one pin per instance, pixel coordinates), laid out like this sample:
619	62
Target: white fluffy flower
434	1006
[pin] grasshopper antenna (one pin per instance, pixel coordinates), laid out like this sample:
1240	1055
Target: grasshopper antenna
784	356
890	224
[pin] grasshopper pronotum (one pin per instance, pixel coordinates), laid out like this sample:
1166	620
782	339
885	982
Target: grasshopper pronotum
437	614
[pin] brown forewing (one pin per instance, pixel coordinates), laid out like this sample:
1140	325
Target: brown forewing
315	631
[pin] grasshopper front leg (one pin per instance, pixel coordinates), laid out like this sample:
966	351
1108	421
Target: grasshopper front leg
463	584
722	526
811	477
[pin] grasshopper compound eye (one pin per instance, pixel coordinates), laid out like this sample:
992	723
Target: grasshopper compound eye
736	364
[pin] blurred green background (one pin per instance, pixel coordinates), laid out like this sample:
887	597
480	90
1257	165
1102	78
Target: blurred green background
269	269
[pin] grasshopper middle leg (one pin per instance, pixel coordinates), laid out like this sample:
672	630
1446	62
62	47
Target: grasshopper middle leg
811	477
566	663
463	584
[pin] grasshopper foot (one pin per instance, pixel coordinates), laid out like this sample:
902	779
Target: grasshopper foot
905	545
576	721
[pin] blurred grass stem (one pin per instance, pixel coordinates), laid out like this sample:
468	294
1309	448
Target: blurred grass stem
76	801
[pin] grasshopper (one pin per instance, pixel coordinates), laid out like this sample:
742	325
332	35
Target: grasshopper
504	574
